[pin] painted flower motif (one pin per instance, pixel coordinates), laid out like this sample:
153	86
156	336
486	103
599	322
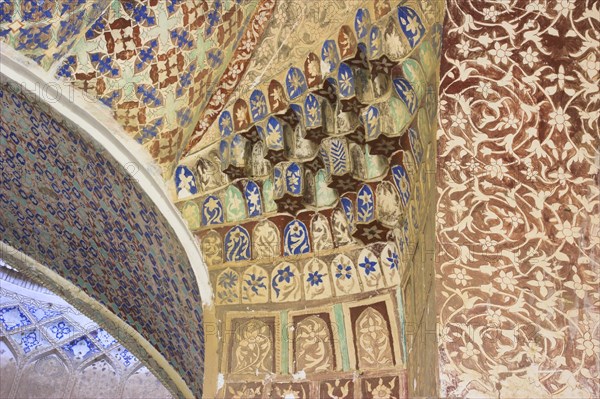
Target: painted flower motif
459	120
542	282
510	122
561	175
393	259
578	286
501	53
344	272
315	278
560	119
464	47
496	169
588	344
255	282
591	65
488	244
284	274
506	280
530	57
536	7
533	351
490	14
563	7
381	391
567	232
514	219
368	265
228	279
484	88
469	350
460	277
494	317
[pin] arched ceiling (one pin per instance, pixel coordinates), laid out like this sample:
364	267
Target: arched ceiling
67	203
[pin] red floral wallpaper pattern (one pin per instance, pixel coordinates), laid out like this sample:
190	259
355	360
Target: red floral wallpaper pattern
518	208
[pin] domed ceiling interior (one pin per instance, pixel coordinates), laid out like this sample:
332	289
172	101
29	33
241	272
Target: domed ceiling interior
355	237
50	350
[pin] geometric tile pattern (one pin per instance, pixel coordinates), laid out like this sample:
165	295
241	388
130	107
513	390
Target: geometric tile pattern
85	343
47	30
155	64
68	205
518	225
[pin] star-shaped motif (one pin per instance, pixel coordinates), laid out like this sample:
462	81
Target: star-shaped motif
384	146
275	156
382	65
352	105
357	136
316	134
371	233
234	172
290	204
251	134
344	184
314	165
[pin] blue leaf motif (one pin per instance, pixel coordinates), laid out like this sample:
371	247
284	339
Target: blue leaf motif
402	183
296	238
237	244
253	199
212	211
364	204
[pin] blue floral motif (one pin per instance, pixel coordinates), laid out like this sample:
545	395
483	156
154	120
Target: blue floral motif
312	112
237	244
212	211
253	200
344	272
124	356
293	179
407	94
368	265
402	183
104	338
411	25
61	329
364	204
104	64
361	22
393	259
226	124
30	340
228	279
346	80
255	282
185	182
296	238
284	274
81	348
258	105
375	42
13	317
315	278
330	55
41	314
348	207
295	83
